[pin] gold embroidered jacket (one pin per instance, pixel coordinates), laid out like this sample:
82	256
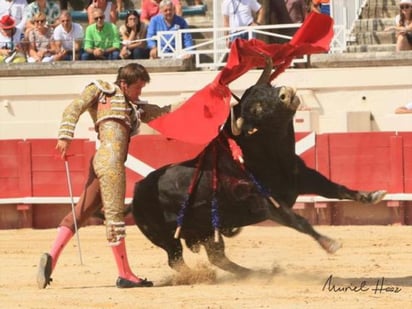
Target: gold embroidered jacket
104	101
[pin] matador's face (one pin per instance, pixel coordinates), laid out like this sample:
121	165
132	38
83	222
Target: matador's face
133	91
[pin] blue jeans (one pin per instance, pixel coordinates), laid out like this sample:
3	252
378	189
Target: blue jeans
140	53
114	55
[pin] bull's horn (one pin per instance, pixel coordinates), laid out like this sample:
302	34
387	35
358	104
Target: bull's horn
264	78
236	125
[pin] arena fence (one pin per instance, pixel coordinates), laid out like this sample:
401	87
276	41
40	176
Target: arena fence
34	191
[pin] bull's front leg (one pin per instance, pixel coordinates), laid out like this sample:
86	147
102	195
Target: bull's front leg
311	181
175	256
365	197
284	215
216	255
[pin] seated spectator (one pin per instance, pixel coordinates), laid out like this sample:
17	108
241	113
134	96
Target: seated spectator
240	14
10	36
41	48
14	8
102	40
150	8
68	36
297	10
49	8
405	109
167	20
403	26
108	8
132	31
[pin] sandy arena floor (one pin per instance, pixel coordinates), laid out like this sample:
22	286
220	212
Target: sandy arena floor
372	270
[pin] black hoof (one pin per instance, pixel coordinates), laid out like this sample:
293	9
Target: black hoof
377	196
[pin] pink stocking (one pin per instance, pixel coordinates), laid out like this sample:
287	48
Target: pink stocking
122	262
64	234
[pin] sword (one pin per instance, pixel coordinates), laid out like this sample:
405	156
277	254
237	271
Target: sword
69	184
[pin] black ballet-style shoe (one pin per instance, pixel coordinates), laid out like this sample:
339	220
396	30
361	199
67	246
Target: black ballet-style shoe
122	283
44	271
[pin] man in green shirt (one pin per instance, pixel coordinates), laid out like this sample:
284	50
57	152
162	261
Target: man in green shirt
102	39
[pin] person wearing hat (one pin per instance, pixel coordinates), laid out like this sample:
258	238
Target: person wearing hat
14	8
11	50
403	26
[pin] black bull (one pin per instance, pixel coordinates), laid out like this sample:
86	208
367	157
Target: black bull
215	191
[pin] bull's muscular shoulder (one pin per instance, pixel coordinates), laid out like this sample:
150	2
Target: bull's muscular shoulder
105	87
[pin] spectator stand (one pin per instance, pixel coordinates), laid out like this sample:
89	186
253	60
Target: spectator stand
192	10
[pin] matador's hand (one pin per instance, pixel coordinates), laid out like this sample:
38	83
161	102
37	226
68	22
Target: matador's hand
63	146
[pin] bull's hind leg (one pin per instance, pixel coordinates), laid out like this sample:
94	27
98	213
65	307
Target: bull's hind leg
216	254
287	217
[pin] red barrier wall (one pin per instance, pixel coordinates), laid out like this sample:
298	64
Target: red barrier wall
367	161
10	168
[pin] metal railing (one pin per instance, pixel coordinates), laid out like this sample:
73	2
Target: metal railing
343	12
211	53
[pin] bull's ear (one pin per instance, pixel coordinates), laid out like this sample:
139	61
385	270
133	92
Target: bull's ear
264	78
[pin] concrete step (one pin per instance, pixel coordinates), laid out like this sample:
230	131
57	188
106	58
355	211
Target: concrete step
371	48
374	37
373	24
383	2
379	10
379	13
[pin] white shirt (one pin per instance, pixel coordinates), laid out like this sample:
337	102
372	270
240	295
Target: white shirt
240	12
66	38
14	8
7	42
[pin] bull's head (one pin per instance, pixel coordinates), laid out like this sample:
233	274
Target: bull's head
264	106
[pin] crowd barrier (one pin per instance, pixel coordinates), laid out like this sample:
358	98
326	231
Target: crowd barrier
34	190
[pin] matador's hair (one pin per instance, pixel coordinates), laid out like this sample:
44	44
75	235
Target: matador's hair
131	73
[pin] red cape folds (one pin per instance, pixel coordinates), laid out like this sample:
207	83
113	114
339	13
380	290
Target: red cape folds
199	118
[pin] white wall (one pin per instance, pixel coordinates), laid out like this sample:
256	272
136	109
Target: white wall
30	107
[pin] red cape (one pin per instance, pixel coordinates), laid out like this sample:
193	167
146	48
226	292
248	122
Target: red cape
198	120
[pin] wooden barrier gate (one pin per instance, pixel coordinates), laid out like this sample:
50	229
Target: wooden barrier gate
34	191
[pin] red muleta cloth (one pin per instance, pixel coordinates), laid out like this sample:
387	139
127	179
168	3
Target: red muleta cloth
198	120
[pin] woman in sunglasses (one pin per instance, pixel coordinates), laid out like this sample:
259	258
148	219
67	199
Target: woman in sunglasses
41	48
133	34
403	26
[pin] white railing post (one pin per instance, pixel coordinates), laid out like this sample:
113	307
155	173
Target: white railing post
74	49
